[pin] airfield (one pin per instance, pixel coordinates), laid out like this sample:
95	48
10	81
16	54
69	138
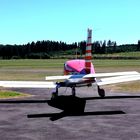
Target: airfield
87	116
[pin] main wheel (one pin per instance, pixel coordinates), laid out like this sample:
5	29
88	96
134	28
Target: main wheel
101	92
54	95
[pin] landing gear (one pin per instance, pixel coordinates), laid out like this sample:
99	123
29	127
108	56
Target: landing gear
73	91
55	94
101	92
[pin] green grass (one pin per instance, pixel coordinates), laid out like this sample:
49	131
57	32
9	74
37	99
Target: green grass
122	54
129	87
11	94
116	65
128	54
58	63
38	69
30	63
29	69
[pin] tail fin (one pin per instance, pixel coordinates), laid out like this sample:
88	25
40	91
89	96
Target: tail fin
88	54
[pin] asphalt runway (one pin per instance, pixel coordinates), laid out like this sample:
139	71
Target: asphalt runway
85	117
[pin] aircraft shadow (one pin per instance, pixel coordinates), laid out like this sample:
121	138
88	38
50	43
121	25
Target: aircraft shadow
113	97
56	116
22	101
71	106
17	101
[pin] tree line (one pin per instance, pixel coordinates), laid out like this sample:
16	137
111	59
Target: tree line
108	47
47	49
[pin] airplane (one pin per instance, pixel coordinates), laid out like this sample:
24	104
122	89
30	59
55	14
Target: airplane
77	73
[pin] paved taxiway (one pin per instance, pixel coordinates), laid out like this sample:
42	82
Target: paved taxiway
116	117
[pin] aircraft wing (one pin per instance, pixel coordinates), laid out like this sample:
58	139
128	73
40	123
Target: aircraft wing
97	75
27	84
118	79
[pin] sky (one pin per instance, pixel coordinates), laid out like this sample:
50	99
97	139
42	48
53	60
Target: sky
23	21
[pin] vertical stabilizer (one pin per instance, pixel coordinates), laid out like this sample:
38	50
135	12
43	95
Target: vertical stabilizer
88	54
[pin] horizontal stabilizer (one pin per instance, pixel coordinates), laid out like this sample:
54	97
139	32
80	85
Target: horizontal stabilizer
27	84
65	77
96	75
118	79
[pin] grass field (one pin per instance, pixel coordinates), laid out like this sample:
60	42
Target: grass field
38	69
122	54
11	94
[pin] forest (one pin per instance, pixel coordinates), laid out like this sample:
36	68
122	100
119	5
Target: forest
49	49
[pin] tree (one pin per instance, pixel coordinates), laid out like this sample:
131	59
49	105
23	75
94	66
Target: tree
114	46
104	47
109	43
82	45
97	47
138	46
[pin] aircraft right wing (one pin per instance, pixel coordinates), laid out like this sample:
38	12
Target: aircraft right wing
97	75
118	79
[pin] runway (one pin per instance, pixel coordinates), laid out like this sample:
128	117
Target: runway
117	117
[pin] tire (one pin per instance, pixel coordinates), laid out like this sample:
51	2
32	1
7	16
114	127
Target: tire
101	93
54	95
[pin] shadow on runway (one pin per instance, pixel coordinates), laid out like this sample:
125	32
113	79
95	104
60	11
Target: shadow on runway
113	97
56	116
18	101
71	106
22	101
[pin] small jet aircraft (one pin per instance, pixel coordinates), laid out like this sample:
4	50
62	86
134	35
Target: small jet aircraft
77	73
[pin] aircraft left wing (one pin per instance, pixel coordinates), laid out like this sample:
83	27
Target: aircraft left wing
118	79
27	84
